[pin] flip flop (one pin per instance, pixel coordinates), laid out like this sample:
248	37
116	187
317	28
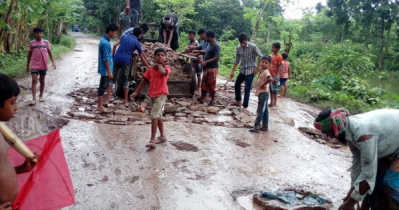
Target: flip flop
160	140
264	129
199	100
254	131
151	144
32	103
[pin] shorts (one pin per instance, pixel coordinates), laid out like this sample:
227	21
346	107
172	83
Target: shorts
199	68
104	82
157	105
38	72
274	87
283	81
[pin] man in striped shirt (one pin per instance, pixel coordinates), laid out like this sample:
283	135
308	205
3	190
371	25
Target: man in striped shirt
246	52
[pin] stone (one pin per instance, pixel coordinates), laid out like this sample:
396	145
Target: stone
170	109
121	113
245	120
225	112
310	131
184	104
182	119
241	116
321	141
189	111
199	107
213	110
139	123
289	121
84	115
180	114
235	112
336	146
136	113
118	123
197	120
181	109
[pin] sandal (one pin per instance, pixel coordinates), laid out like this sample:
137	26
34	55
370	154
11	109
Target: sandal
151	144
211	103
160	140
105	105
254	131
32	103
199	100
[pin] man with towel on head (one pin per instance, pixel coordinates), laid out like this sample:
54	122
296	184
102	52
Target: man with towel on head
373	139
169	31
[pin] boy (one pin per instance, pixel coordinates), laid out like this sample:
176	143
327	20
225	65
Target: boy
210	66
124	23
169	31
193	43
37	61
122	61
262	91
9	90
285	75
157	77
277	65
105	63
129	31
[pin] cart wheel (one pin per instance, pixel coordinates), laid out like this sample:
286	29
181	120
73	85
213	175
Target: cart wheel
119	84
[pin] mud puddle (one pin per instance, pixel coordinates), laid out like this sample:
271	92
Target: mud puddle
183	146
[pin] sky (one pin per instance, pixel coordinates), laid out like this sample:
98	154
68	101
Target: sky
293	10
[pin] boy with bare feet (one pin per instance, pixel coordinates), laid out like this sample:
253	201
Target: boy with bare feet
157	77
37	62
105	63
285	75
9	90
262	91
277	65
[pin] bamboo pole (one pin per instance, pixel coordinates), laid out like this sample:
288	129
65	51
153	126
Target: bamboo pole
15	142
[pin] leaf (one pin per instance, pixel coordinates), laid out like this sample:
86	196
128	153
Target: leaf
4	25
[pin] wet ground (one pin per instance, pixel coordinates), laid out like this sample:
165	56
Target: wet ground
200	166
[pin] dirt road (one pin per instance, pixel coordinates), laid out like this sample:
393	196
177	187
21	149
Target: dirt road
199	167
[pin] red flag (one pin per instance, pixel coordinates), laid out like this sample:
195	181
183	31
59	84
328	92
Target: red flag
48	186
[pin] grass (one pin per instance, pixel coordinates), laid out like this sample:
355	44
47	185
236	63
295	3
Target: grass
14	64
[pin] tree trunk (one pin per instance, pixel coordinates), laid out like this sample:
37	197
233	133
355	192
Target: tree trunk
268	36
48	24
258	20
382	44
342	35
3	35
387	42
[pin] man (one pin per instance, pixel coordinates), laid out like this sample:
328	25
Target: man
193	43
133	9
246	52
373	139
124	23
169	31
210	66
129	44
204	45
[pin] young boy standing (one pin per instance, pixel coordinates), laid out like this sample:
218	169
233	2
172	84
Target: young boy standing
9	90
262	91
105	63
37	62
285	75
277	65
157	77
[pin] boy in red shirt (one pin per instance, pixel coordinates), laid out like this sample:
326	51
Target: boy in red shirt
157	77
277	65
37	62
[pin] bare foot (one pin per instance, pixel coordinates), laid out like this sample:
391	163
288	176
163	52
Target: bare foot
270	105
41	99
126	104
280	96
101	110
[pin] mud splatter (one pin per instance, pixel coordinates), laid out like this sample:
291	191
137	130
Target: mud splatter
177	162
242	144
104	179
183	146
132	179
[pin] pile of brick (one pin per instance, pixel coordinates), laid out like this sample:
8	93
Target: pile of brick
177	63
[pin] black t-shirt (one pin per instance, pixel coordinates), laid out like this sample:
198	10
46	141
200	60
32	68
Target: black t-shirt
173	23
213	51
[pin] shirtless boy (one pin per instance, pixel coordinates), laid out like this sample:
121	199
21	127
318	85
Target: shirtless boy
9	90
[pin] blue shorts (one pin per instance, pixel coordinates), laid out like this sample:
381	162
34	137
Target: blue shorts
38	72
199	68
274	87
283	81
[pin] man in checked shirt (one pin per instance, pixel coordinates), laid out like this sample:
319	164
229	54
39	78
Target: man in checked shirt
246	52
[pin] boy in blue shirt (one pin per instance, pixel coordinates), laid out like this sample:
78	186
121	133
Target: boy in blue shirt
128	45
105	63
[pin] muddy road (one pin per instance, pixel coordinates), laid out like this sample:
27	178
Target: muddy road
199	167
